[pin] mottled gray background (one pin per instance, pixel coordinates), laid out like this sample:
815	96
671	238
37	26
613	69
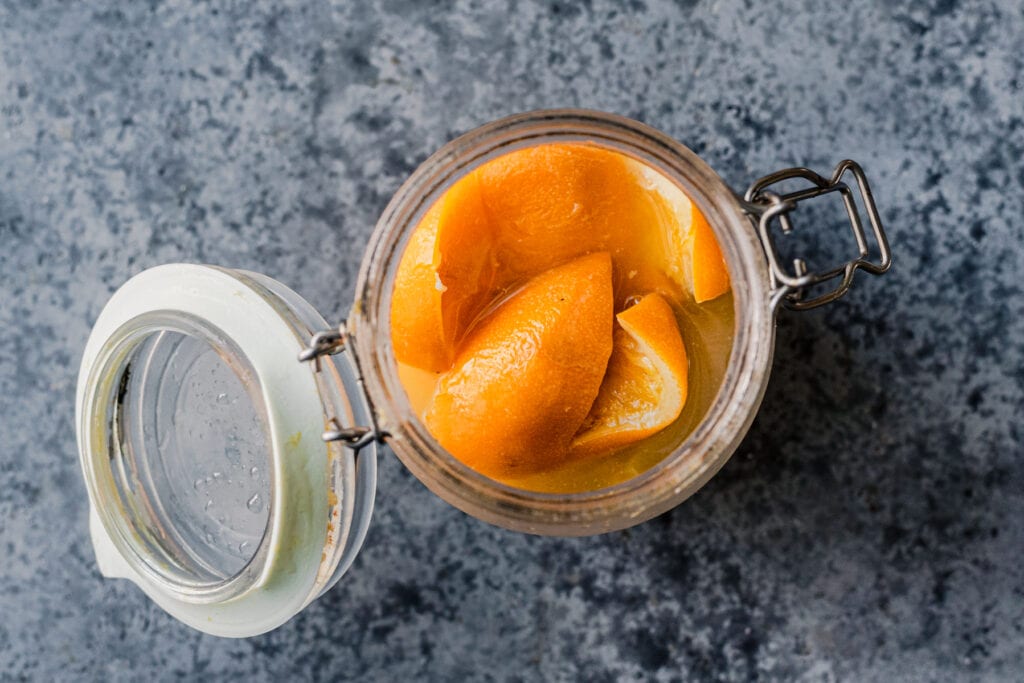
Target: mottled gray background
870	527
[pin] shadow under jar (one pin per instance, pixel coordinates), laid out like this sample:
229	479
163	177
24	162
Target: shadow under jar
234	483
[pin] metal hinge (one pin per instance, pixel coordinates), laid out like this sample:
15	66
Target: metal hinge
329	343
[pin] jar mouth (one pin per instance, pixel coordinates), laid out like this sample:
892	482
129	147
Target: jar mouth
694	460
180	467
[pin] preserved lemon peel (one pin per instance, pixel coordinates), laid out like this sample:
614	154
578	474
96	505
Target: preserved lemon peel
417	328
694	257
512	220
444	278
645	387
707	265
534	208
528	373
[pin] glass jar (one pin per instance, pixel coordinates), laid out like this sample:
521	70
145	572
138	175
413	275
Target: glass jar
234	483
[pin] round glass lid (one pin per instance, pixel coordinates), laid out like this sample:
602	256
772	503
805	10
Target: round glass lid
201	438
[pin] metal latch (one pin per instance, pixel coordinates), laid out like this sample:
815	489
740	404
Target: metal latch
790	287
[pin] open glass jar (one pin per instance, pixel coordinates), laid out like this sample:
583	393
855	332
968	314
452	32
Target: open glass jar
228	436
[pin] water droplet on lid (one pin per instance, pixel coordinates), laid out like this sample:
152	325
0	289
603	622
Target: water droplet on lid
222	398
255	503
209	504
217	475
243	546
197	483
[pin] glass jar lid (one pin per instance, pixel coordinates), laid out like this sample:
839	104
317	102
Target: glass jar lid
200	437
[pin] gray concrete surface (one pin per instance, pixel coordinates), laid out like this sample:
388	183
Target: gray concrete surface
871	526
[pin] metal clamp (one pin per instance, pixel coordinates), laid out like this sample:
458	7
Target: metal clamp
790	287
329	343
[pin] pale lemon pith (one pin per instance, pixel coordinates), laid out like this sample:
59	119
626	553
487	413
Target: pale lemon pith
645	386
694	258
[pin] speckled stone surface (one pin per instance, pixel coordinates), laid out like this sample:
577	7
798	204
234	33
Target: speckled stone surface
870	527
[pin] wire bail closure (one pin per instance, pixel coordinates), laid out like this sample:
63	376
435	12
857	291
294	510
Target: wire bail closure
790	288
329	343
324	343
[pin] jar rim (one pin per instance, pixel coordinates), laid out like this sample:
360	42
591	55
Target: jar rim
695	459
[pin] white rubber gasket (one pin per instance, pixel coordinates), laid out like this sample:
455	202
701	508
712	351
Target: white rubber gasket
297	527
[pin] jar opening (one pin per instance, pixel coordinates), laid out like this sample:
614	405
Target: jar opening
188	460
